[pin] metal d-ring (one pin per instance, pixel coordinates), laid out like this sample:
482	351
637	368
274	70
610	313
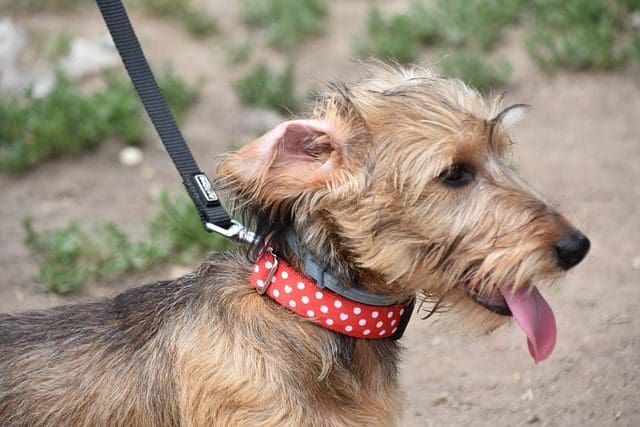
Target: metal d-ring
272	272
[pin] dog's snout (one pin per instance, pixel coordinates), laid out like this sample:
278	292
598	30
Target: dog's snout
571	248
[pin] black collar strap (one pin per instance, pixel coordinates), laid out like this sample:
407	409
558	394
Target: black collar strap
324	278
213	215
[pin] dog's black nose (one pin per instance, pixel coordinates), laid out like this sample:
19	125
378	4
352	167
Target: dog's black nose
571	248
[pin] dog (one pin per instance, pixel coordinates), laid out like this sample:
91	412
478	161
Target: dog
395	186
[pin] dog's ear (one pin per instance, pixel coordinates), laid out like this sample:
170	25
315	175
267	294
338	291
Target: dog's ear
295	156
512	115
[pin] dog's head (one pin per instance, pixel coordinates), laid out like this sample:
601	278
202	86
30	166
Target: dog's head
402	182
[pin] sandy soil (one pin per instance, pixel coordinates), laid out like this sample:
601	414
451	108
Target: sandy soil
580	146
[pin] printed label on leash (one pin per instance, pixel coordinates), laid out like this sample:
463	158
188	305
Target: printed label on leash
205	187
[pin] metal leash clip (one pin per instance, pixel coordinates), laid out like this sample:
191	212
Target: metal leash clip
236	232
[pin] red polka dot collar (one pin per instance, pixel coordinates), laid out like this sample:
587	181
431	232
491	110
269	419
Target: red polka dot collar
274	277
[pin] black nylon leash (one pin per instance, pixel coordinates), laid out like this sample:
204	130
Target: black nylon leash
212	214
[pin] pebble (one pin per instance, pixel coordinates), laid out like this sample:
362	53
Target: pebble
131	156
441	399
533	419
528	395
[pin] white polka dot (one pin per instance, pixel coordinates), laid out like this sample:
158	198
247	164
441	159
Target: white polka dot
292	303
305	299
273	279
287	289
375	314
390	315
319	295
393	322
379	325
401	311
337	304
324	309
310	313
300	285
329	322
393	331
348	328
366	332
382	332
362	322
276	293
268	264
260	283
357	310
257	269
284	274
344	316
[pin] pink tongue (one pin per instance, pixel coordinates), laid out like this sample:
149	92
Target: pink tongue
535	318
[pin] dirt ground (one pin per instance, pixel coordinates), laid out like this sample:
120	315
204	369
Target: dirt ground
580	146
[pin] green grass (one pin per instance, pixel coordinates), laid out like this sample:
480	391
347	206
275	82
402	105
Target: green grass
287	22
239	53
194	21
67	122
262	87
393	38
475	24
475	69
74	256
27	6
199	25
576	34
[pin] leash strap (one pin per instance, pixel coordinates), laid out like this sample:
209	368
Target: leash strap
214	217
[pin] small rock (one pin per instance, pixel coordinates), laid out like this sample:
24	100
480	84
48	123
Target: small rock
635	263
441	399
617	415
131	156
517	377
533	419
527	396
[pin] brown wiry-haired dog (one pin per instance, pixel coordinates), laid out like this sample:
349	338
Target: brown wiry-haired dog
397	184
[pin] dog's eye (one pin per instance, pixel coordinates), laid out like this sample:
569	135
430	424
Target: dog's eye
456	175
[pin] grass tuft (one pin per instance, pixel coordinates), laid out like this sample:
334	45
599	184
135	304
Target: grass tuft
393	38
194	21
262	87
575	34
287	22
30	6
73	256
67	122
476	24
475	69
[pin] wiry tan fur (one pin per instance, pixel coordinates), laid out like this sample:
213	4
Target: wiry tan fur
366	197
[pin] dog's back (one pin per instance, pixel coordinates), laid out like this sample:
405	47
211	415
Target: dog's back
105	362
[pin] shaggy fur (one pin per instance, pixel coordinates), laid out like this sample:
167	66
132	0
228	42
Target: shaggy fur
397	182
